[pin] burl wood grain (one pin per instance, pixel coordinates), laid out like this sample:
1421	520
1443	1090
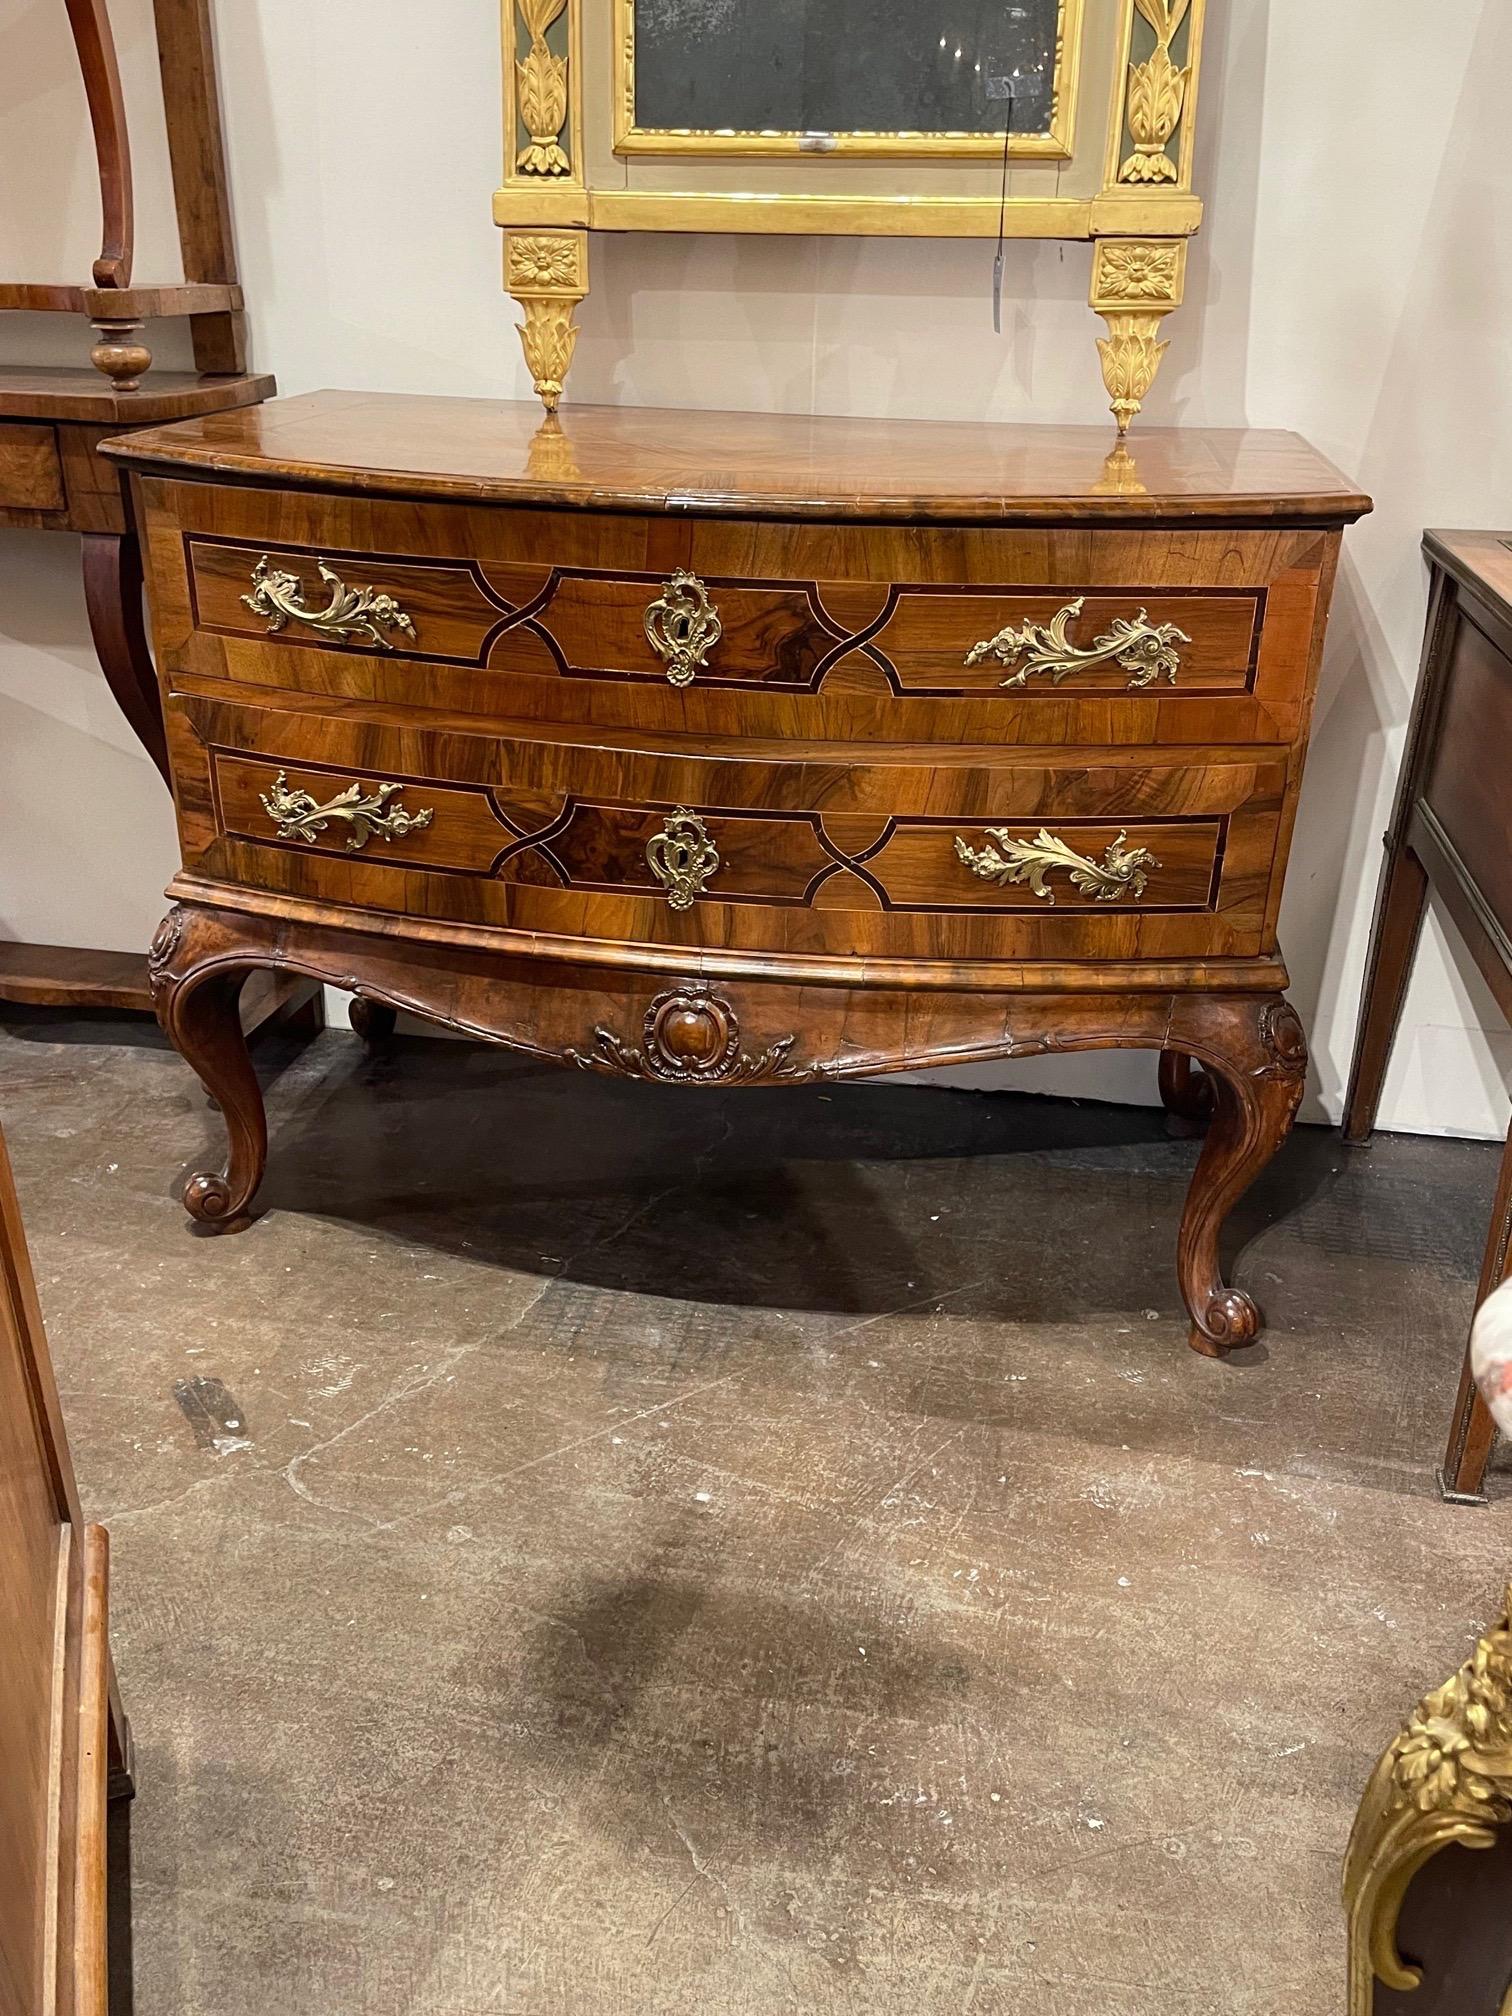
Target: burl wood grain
835	745
31	473
553	838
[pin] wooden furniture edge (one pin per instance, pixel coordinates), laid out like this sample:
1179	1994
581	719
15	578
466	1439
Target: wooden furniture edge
180	453
629	963
25	394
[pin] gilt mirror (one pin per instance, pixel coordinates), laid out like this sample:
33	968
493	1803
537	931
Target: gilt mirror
1060	119
802	76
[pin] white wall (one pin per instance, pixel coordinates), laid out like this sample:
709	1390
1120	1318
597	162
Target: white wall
1352	282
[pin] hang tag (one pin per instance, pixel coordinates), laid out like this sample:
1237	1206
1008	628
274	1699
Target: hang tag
1003	88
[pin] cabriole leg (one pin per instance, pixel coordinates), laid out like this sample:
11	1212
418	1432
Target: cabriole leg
1256	1055
197	995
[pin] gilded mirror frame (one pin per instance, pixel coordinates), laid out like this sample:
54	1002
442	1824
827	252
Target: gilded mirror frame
1126	189
1056	143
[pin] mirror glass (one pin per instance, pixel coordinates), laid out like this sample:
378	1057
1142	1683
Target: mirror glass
845	66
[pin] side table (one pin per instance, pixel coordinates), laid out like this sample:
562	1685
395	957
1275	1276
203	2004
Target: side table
1451	829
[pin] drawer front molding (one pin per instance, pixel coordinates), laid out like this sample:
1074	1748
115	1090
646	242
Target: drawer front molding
277	593
1146	651
1122	871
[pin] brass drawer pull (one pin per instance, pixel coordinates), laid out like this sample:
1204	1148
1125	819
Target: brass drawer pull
298	816
682	857
1146	651
683	626
276	594
1121	871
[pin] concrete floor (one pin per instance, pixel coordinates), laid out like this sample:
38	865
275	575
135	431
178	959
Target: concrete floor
751	1552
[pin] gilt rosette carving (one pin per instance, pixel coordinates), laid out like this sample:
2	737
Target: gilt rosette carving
1129	270
1136	283
546	263
541	93
1446	1779
690	1036
547	273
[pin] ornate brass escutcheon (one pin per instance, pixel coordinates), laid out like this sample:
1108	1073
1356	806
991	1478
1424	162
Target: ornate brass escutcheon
1123	871
682	857
277	594
1146	651
366	809
683	626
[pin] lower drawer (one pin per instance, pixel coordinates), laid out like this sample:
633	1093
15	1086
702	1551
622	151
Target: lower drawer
955	859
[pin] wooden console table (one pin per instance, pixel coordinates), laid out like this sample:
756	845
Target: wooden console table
1451	828
51	421
719	749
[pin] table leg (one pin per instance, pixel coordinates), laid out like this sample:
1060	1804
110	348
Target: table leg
1393	939
1186	1092
1256	1054
373	1021
1472	1432
197	978
113	599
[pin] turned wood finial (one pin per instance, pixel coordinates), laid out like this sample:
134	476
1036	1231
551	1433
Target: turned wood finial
122	360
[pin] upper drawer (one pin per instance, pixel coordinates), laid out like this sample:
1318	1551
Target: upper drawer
931	633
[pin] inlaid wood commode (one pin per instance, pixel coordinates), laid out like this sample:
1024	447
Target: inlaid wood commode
720	749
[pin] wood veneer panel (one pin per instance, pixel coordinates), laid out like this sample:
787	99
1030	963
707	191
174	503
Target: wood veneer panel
525	615
685	461
552	835
31	474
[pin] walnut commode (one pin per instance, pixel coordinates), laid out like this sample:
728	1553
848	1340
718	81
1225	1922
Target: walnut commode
716	749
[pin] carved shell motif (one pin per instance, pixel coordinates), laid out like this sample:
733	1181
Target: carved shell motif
690	1036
